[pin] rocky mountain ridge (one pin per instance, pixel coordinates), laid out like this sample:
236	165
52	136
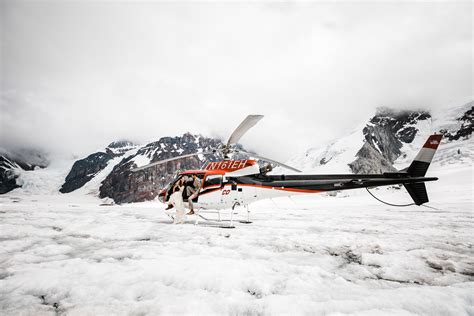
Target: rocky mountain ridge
85	169
464	128
11	163
124	186
387	142
384	137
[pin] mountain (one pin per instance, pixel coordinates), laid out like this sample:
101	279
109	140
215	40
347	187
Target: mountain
384	136
8	174
13	162
110	169
457	123
85	169
124	186
390	140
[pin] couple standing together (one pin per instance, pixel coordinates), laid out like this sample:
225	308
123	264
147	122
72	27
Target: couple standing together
190	186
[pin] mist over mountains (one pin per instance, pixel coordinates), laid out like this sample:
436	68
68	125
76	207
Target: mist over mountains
387	142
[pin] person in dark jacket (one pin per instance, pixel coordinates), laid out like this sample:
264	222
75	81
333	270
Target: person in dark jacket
193	185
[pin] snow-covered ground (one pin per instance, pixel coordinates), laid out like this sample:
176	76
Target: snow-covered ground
311	255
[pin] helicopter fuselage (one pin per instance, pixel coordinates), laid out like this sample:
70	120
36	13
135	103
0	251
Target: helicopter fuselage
239	184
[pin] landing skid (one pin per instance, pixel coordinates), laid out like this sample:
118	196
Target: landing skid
248	216
218	221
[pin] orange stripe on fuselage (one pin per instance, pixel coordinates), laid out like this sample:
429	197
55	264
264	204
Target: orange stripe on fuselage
268	188
281	188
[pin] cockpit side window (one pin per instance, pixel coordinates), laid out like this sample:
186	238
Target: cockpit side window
212	181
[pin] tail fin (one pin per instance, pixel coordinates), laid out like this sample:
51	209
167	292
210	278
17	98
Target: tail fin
418	168
422	161
417	192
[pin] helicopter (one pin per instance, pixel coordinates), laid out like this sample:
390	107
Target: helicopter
229	183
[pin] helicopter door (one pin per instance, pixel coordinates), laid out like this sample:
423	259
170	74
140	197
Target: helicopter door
210	184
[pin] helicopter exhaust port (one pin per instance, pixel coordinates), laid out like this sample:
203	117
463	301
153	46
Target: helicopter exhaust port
266	168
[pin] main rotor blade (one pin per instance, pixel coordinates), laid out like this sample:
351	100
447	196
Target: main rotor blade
270	160
246	124
171	159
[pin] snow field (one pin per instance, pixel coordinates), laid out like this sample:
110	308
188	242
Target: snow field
305	255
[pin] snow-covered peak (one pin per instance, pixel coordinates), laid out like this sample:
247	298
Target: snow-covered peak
331	157
120	147
455	123
388	141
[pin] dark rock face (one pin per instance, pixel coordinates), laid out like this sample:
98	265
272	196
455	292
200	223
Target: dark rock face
465	130
85	169
370	160
7	175
384	137
124	186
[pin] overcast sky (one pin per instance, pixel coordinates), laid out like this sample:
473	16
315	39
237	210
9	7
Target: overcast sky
77	75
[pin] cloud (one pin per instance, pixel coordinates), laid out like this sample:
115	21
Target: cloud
77	75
